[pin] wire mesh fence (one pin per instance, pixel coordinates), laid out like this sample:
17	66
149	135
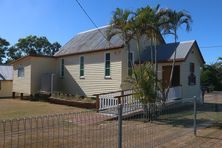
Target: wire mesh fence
154	125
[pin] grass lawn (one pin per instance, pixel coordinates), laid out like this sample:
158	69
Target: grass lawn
16	108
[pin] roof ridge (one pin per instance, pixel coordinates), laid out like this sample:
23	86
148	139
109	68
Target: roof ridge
101	27
189	41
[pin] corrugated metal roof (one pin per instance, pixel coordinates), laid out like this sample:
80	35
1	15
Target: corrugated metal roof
166	52
6	72
90	41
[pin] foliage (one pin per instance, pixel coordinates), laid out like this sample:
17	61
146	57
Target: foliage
120	24
143	83
3	47
175	20
32	45
211	75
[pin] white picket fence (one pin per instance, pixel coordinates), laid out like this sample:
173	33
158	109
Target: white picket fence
108	100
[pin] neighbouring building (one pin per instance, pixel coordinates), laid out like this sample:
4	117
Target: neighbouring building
6	77
89	64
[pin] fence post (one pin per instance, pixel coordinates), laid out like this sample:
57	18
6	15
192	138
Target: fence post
120	109
13	95
195	115
97	103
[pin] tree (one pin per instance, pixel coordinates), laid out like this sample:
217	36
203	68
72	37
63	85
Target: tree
53	48
32	45
120	25
133	25
13	53
150	21
175	21
211	76
3	47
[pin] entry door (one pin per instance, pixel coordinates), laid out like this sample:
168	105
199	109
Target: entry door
166	76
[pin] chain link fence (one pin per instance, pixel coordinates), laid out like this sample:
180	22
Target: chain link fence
159	125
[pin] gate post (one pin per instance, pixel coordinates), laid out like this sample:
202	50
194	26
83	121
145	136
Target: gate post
120	109
195	116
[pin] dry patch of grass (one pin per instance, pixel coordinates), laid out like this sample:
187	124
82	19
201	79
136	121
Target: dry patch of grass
15	108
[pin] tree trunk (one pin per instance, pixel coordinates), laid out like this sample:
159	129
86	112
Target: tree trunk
173	64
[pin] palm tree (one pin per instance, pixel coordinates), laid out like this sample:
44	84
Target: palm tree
151	22
175	21
120	25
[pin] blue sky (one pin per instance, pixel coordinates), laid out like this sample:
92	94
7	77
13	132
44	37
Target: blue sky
60	20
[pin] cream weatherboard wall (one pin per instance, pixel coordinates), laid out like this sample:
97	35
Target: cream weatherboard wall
189	91
41	66
94	80
6	88
22	84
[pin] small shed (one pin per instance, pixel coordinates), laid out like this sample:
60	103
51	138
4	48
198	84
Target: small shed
28	71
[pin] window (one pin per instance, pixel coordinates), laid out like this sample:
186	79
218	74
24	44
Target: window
130	63
192	67
62	68
192	77
21	71
81	66
107	65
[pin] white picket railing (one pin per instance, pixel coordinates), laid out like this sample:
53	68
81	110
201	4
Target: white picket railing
108	100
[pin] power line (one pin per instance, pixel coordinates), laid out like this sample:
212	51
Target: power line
93	22
215	46
96	26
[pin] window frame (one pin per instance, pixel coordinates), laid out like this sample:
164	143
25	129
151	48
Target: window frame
81	68
192	67
21	74
105	66
128	66
192	77
62	68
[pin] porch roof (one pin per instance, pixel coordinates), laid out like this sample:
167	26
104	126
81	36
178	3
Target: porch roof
166	52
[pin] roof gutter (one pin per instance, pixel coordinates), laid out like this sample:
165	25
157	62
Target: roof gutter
92	51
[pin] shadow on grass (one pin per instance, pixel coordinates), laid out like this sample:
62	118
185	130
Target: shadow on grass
210	107
208	137
182	115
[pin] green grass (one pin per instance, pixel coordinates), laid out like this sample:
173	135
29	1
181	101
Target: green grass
15	108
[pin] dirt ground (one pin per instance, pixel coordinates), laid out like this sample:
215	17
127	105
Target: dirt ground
93	130
16	108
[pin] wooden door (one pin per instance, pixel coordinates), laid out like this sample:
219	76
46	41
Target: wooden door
166	76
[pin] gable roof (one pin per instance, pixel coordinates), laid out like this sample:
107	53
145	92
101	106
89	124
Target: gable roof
165	52
91	41
6	72
30	56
